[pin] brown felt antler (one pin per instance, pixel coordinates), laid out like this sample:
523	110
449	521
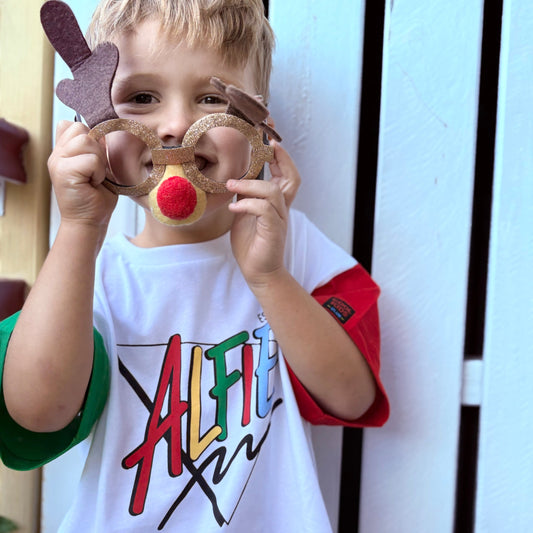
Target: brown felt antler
245	106
89	93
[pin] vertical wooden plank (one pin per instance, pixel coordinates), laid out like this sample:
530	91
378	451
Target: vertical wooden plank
421	250
316	87
19	498
25	99
505	466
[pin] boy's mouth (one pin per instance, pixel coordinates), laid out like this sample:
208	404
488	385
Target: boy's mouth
203	163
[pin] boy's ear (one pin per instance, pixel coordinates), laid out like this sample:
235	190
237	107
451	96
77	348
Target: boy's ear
89	93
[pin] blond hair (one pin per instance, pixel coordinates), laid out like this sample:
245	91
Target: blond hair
237	29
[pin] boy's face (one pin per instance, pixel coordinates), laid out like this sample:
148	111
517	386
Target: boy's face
165	85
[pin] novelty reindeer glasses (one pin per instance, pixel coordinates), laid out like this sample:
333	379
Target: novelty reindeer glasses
176	186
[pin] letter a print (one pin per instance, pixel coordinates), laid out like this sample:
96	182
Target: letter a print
157	428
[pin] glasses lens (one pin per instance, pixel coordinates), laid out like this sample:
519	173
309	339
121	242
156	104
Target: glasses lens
129	159
223	153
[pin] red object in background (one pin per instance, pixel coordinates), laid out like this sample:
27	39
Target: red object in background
12	295
12	140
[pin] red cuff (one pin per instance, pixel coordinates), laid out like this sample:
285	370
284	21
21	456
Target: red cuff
351	298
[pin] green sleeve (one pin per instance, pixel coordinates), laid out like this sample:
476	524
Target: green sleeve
21	449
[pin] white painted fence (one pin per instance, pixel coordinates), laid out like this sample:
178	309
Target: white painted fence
427	143
505	486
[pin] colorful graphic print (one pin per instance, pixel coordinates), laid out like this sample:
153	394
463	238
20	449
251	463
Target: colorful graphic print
200	403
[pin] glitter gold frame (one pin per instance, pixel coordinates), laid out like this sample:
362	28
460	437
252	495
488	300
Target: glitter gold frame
89	94
184	155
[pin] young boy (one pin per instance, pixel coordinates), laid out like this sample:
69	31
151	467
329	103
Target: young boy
188	353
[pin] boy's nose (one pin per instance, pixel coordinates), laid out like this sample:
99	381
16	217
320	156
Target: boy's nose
173	126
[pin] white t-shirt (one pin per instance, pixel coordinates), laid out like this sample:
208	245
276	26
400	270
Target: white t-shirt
201	431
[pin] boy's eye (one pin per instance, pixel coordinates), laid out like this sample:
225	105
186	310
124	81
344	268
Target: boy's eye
214	99
143	98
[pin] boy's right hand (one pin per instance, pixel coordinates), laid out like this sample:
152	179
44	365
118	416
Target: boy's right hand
77	169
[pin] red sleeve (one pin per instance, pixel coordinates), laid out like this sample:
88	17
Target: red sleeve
351	297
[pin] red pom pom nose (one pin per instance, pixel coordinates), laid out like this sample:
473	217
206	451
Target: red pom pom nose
176	198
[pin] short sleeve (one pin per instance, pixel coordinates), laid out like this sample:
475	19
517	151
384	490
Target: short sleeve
21	449
350	297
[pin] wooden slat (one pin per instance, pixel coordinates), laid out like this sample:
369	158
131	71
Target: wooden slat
505	466
25	100
316	87
421	251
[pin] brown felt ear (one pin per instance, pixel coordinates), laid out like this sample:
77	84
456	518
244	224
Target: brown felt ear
270	131
245	106
89	93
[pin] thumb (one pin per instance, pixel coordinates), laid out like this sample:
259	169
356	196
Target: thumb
61	127
284	173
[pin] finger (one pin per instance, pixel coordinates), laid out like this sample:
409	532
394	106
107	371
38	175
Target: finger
61	127
90	165
67	130
75	140
282	160
253	193
284	173
268	190
259	208
72	140
77	156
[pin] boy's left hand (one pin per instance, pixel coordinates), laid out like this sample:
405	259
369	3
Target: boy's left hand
260	226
